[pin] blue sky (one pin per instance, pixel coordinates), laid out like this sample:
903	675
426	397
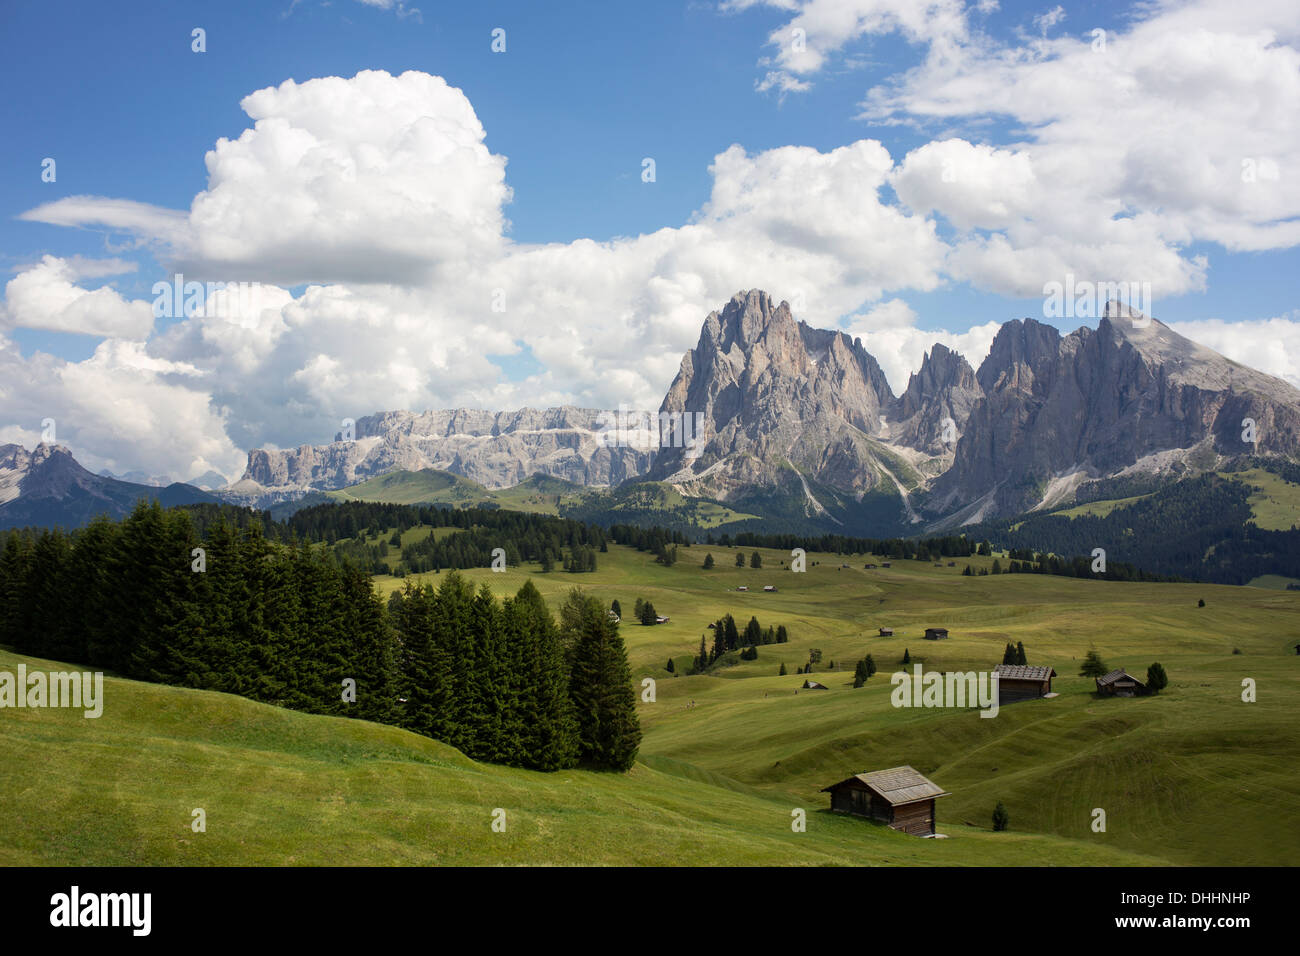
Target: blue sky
115	95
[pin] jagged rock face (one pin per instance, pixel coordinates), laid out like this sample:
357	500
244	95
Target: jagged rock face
496	449
932	411
49	471
1098	402
768	391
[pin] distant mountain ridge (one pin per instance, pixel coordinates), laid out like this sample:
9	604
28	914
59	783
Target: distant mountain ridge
47	487
495	449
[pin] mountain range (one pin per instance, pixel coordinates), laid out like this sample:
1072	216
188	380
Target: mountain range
47	487
799	426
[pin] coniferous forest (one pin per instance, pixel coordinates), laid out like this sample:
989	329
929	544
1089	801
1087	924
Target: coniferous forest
228	608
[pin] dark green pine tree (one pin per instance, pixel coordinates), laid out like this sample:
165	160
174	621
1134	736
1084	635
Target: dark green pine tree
1020	653
1093	665
753	632
545	711
782	672
907	656
615	607
860	673
782	635
372	657
740	559
719	643
425	664
732	634
1001	819
871	665
755	560
708	562
702	660
1009	654
600	685
1157	679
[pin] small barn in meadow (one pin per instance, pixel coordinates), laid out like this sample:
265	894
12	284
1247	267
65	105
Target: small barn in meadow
886	632
1023	682
814	685
869	566
899	797
1118	683
936	634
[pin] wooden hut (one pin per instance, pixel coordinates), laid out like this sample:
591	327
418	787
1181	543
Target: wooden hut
1118	683
1023	682
814	685
899	797
886	632
936	634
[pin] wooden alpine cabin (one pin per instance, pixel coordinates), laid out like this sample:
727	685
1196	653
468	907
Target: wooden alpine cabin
1023	682
886	632
1120	684
814	685
899	797
936	634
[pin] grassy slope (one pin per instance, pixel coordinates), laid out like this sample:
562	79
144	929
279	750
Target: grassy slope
1274	502
1191	776
285	788
1163	768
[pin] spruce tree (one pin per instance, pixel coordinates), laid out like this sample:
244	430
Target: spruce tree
1009	654
600	686
551	731
1157	679
708	562
1001	819
1020	653
1093	665
732	640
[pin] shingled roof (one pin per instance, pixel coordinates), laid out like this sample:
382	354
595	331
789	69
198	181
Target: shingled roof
1114	676
1023	672
898	785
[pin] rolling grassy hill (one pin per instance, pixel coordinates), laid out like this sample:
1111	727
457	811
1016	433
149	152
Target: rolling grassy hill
282	788
1193	776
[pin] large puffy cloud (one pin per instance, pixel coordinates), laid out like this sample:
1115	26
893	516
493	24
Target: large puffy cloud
121	409
46	296
1122	147
377	178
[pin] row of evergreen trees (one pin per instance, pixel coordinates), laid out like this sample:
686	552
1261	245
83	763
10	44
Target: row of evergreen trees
230	610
